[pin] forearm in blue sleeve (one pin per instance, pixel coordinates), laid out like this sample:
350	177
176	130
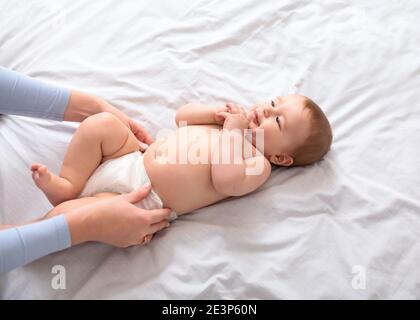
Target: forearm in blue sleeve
21	245
25	96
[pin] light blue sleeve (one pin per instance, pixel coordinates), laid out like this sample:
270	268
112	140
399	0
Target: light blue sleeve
21	245
24	96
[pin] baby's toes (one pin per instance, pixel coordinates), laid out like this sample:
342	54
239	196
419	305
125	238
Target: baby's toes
35	166
42	170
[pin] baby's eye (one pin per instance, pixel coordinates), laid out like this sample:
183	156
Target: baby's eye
272	103
278	122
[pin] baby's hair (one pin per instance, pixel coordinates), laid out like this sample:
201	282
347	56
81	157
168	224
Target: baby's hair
319	140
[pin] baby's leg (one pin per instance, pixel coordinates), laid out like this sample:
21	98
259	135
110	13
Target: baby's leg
99	138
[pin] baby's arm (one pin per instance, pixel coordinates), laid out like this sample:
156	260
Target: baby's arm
243	173
195	113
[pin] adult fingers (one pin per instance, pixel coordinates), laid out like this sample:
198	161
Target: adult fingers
148	238
139	194
157	215
143	136
140	133
158	226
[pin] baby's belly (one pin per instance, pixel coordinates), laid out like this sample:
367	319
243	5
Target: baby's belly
183	186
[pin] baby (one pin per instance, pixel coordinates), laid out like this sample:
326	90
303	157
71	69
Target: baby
185	168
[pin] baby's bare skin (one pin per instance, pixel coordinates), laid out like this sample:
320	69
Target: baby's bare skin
99	138
185	185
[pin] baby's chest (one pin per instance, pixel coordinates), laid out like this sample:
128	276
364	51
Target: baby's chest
190	145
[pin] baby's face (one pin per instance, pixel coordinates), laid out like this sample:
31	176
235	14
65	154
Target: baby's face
285	123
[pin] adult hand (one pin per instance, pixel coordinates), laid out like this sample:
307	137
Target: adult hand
82	105
117	221
142	136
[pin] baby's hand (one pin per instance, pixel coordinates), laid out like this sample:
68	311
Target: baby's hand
234	108
235	121
228	108
143	146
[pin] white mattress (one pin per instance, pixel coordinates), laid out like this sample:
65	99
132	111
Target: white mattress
303	233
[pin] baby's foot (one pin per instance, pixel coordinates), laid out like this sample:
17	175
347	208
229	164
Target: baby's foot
55	188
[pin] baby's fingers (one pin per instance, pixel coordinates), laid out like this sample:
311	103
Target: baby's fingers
229	106
143	146
223	114
234	108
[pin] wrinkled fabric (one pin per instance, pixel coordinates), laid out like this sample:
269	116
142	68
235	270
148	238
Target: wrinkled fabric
346	227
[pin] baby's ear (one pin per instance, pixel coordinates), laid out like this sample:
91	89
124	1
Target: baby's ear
281	160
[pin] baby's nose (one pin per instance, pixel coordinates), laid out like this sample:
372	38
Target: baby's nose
267	111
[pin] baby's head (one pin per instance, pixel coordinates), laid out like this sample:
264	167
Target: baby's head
296	131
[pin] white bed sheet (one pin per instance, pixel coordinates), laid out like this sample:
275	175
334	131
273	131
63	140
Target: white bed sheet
301	234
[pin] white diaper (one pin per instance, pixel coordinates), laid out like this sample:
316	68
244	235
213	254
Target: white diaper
123	175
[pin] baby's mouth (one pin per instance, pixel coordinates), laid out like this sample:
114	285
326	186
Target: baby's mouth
257	118
254	118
